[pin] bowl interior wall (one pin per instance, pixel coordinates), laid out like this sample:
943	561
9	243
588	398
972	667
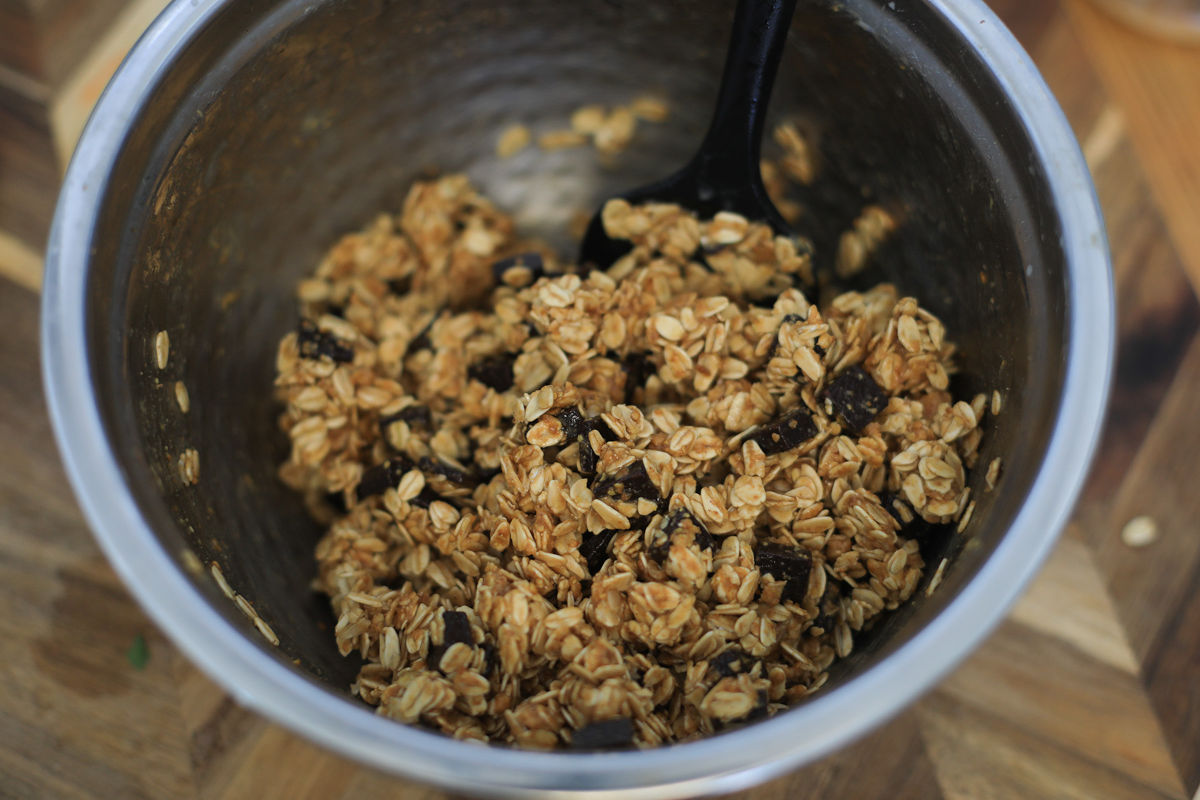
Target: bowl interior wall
277	130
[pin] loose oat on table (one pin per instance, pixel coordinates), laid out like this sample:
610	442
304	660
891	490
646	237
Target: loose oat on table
600	508
1141	531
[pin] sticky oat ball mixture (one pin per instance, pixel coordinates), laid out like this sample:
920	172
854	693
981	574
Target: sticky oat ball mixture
615	507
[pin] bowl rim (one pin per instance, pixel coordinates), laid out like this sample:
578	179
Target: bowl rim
717	764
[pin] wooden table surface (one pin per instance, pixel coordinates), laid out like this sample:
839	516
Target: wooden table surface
1091	688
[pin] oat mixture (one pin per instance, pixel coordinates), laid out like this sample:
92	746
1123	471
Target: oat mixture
630	506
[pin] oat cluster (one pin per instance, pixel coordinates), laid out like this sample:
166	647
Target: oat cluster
607	508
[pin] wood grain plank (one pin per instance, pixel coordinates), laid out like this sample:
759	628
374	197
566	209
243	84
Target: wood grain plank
1048	688
979	756
1156	588
1083	615
890	762
1146	584
18	45
20	263
1173	683
28	168
74	713
1155	83
77	92
1157	318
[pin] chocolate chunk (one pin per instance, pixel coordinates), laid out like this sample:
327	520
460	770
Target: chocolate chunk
495	372
572	422
489	659
637	367
382	477
587	458
932	537
426	497
594	549
631	485
457	628
530	261
760	708
660	547
417	416
763	301
421	340
598	424
855	398
315	343
585	588
439	467
789	431
830	605
400	285
704	540
785	564
337	500
604	735
730	663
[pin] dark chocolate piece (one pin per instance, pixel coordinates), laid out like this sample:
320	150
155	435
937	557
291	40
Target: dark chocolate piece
587	458
315	343
730	663
760	708
382	477
932	537
338	501
604	735
789	431
495	372
530	261
704	540
457	628
785	564
489	659
572	423
637	367
426	497
400	285
856	398
439	467
594	549
421	341
630	485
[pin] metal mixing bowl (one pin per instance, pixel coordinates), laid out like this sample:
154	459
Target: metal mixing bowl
239	139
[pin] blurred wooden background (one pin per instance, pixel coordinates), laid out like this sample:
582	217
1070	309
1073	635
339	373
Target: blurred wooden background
1091	689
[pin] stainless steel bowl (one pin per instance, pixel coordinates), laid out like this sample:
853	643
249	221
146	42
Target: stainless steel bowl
240	138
